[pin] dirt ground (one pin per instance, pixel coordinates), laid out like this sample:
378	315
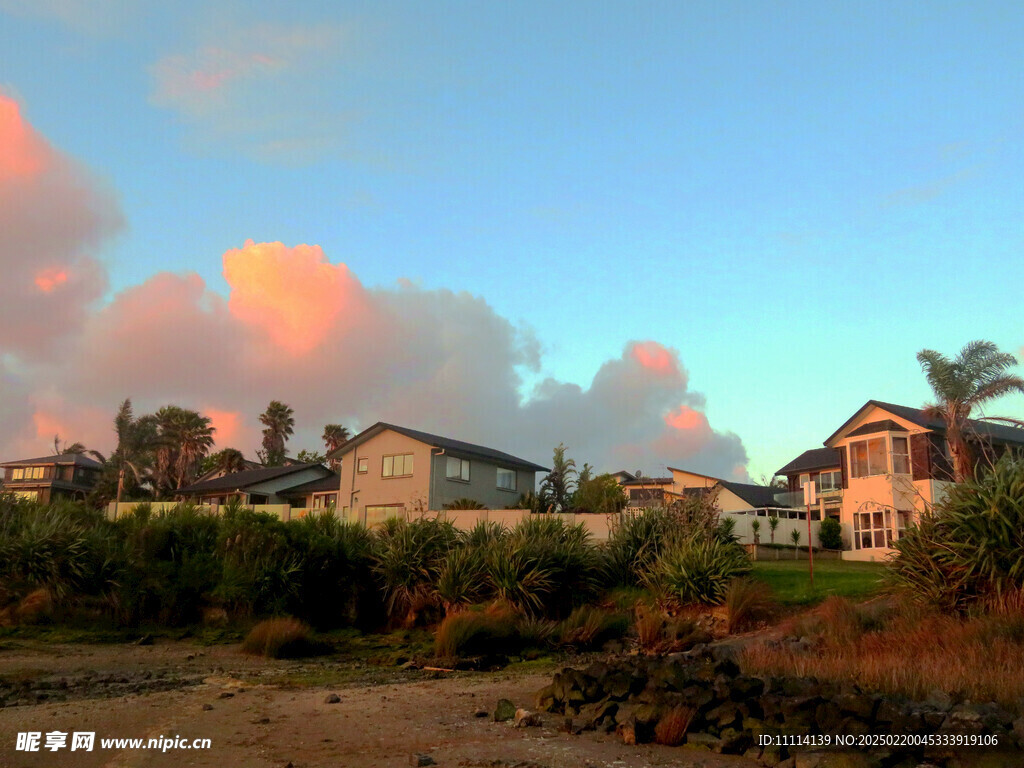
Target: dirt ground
272	714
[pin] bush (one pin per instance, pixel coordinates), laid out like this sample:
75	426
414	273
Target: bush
673	725
589	627
474	633
830	534
971	547
699	570
408	560
748	602
283	638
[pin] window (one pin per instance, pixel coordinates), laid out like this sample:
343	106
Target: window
829	481
457	469
18	473
397	466
362	465
804	478
867	457
27	495
506	479
900	456
873	530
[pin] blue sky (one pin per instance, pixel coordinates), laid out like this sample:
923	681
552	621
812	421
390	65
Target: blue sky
796	197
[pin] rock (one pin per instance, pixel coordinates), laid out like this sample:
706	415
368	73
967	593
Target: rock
545	699
505	711
627	731
526	719
421	759
409	665
702	741
207	707
226	695
481	713
332	698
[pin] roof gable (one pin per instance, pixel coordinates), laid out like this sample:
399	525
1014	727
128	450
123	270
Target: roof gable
437	441
1000	433
815	458
237	481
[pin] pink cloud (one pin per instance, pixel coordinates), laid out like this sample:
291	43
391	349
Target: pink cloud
52	214
654	357
686	418
294	295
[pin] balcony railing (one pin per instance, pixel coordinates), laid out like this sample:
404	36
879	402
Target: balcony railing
796	498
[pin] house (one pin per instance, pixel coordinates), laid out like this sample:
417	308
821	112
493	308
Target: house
67	475
730	497
220	471
265	485
882	468
388	469
321	493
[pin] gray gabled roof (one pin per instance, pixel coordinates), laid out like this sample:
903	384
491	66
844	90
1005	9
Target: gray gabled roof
239	481
816	458
325	484
755	495
437	441
77	459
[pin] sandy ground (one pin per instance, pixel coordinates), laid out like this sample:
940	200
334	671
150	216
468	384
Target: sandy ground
274	714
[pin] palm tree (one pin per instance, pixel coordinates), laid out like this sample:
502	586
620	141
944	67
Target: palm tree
195	438
556	488
795	536
229	460
279	422
133	456
335	436
975	376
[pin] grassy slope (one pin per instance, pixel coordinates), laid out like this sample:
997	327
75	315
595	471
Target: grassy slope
788	579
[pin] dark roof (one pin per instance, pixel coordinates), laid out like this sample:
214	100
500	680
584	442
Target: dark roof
754	495
649	481
1000	433
873	427
327	483
78	459
436	441
628	475
238	480
816	458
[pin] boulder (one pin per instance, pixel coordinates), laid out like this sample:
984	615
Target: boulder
526	719
505	711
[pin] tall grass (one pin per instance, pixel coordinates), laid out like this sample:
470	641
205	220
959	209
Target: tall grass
903	649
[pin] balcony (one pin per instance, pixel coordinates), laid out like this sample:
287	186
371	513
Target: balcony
796	498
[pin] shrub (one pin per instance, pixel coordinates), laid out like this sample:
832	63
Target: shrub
283	638
484	534
461	578
699	570
408	561
650	628
589	627
971	547
748	602
474	633
830	534
673	725
465	503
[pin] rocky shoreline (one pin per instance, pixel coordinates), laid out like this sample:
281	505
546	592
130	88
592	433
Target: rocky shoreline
702	700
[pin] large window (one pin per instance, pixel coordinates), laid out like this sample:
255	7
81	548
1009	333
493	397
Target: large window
457	469
506	479
900	456
18	473
874	530
397	466
867	457
829	481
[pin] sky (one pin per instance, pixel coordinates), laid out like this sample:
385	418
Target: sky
697	235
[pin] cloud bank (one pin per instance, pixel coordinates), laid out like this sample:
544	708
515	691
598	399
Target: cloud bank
298	328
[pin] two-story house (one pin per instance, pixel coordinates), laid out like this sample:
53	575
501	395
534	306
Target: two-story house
882	468
387	470
67	475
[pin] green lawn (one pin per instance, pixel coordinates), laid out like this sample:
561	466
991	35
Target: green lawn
788	579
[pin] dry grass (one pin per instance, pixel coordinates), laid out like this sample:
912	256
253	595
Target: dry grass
650	626
672	727
904	650
588	627
471	633
283	638
749	603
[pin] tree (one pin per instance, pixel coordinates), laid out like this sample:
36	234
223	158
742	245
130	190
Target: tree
184	438
975	376
830	534
335	436
128	467
279	423
600	494
310	457
755	528
773	523
227	460
67	449
556	488
795	536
